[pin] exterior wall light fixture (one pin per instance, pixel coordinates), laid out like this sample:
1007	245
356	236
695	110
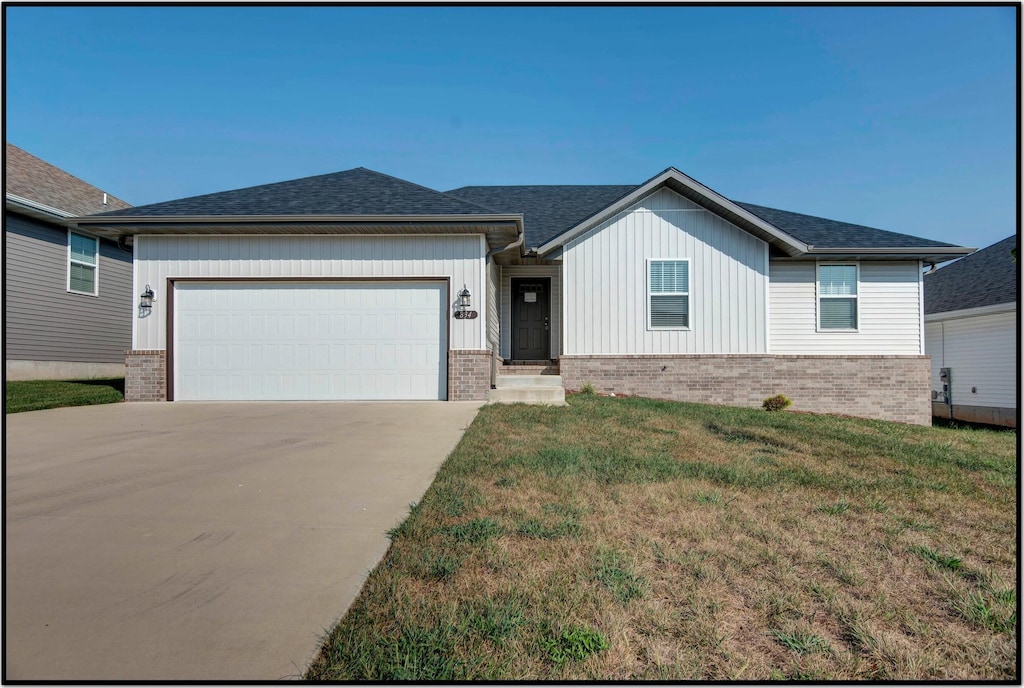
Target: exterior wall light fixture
146	302
463	305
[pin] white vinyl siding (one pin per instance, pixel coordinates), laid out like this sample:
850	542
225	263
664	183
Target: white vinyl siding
510	271
605	278
982	352
457	257
837	296
888	304
668	285
493	285
83	264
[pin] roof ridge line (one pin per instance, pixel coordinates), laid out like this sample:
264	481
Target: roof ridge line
427	188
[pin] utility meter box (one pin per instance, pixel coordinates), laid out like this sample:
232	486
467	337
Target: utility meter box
946	378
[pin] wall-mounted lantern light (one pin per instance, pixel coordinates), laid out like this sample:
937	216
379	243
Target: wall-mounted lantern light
463	305
146	301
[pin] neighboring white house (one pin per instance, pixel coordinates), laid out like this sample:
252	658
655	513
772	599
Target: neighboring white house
358	285
971	332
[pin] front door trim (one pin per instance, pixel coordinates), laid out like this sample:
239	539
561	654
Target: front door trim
514	286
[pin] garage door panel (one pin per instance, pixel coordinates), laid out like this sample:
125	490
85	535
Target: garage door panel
280	341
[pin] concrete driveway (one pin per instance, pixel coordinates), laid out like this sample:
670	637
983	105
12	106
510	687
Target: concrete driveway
202	541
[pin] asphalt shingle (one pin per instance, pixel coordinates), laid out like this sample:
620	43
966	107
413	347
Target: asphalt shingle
352	192
29	177
824	233
547	210
985	278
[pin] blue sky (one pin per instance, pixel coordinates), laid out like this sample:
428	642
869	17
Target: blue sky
899	118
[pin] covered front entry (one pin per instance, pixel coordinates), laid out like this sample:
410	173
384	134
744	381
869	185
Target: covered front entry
531	318
315	340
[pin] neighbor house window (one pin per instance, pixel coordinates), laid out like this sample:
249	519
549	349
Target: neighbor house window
837	297
83	262
668	295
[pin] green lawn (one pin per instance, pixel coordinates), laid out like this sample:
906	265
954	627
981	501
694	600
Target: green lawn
636	539
34	395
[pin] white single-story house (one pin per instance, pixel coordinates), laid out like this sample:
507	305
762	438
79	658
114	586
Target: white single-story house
358	285
971	328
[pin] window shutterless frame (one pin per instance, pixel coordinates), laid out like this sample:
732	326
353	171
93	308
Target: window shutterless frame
83	264
837	302
668	293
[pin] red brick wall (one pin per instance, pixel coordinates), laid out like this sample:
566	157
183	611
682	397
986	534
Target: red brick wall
895	388
145	375
469	374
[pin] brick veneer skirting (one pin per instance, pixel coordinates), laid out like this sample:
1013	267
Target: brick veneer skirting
145	375
469	374
895	388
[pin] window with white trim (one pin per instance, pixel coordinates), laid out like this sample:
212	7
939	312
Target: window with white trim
837	296
83	263
668	294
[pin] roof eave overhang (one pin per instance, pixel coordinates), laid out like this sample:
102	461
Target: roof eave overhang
927	254
992	309
699	194
496	226
35	209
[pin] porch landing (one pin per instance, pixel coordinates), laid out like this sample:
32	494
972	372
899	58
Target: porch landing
528	382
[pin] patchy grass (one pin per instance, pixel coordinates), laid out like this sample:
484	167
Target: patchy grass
36	395
623	538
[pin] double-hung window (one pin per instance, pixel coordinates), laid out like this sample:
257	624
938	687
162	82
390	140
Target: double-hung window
83	264
668	294
837	296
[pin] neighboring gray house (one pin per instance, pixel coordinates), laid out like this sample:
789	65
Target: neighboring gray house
67	292
354	285
971	329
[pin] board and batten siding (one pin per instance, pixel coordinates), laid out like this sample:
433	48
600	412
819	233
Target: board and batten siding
459	257
982	353
43	321
493	285
888	307
605	277
510	271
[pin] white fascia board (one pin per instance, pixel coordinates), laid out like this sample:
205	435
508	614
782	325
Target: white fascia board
284	219
1007	307
19	202
676	175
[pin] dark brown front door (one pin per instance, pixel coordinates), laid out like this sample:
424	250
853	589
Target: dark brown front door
531	310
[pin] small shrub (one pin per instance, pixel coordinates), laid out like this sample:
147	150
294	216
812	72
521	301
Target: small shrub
588	389
776	403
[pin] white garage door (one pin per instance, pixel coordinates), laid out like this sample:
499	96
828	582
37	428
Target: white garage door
298	341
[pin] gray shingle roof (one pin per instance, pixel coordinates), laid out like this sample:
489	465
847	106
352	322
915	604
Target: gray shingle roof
985	278
550	210
29	177
353	192
823	233
547	210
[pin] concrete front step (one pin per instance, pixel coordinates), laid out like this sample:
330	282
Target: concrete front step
552	396
546	369
503	381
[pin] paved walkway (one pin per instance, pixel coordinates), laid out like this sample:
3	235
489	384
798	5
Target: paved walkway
202	541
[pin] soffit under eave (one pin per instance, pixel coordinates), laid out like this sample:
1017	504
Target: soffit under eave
497	234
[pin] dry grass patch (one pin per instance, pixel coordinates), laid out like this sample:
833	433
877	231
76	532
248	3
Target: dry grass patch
637	539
